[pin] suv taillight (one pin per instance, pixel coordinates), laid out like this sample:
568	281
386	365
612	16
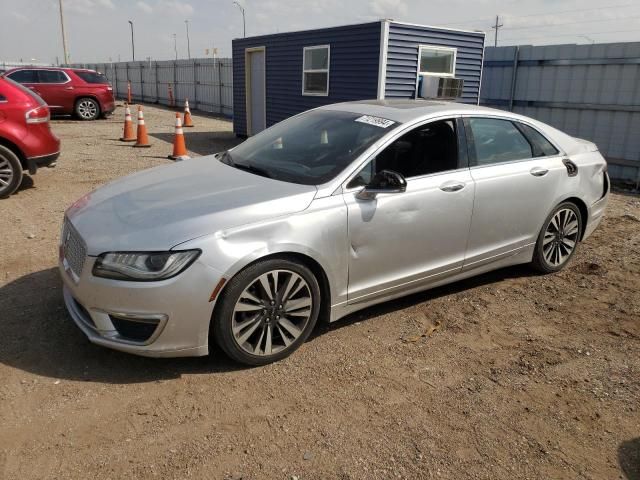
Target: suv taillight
38	115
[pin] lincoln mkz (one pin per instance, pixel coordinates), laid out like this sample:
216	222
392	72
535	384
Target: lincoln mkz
323	214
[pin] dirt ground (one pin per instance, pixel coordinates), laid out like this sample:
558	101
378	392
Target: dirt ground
510	375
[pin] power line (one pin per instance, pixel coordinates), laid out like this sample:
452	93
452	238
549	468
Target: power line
572	34
482	20
573	23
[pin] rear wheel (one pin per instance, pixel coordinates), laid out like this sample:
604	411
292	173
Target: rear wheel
10	172
558	238
87	109
267	311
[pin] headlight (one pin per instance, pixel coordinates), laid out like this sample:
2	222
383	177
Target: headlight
143	266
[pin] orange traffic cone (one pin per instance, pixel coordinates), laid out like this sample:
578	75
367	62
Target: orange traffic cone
179	148
143	138
188	122
129	92
127	134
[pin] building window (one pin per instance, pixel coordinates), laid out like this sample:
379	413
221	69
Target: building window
315	70
439	61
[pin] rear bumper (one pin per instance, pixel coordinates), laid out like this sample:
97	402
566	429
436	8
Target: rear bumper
34	163
596	212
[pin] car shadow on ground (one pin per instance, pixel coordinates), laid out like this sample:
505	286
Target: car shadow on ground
38	336
203	143
518	271
629	458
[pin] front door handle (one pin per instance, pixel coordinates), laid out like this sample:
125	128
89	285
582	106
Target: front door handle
452	186
538	171
68	88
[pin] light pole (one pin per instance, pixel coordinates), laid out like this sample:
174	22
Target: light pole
133	47
244	25
175	46
186	22
64	36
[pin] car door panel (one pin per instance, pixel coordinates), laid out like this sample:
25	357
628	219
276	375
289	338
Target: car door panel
398	240
57	90
512	200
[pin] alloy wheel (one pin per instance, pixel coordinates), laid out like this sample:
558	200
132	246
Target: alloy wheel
272	312
560	237
87	109
6	174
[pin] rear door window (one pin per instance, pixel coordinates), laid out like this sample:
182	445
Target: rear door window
92	77
497	141
24	76
51	76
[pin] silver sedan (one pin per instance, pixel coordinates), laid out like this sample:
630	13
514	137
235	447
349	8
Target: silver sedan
321	215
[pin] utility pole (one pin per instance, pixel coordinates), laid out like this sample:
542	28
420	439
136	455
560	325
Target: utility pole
175	46
497	27
133	46
64	35
244	25
186	22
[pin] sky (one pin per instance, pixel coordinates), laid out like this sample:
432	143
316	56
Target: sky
98	30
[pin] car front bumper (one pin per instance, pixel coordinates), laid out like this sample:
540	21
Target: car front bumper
178	307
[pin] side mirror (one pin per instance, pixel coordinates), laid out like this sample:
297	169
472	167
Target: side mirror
386	181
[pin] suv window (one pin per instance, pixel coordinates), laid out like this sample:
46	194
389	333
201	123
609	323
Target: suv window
92	77
24	76
541	146
430	148
51	76
497	141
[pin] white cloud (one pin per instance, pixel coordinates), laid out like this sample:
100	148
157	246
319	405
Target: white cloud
176	7
88	7
389	8
19	16
145	7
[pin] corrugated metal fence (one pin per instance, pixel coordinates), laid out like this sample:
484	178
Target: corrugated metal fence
206	82
588	91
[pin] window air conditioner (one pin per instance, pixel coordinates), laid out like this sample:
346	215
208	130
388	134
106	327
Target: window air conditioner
445	88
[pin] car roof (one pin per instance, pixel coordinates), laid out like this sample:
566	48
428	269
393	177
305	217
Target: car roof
406	110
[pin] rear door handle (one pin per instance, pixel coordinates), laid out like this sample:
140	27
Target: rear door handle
538	171
68	88
452	186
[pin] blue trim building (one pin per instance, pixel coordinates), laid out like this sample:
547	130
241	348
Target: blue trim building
277	76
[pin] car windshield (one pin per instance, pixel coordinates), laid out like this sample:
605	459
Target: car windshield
92	77
309	149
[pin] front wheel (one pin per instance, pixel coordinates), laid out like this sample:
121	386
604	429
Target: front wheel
558	238
87	109
267	311
10	172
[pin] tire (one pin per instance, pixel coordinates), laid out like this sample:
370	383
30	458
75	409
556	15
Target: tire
87	108
558	239
279	328
10	172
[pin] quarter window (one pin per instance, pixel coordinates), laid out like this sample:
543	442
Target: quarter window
541	146
51	76
437	60
315	70
498	141
24	76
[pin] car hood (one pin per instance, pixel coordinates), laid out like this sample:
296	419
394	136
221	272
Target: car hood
159	208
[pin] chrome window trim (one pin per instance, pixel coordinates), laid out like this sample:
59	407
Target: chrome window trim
393	136
38	70
515	120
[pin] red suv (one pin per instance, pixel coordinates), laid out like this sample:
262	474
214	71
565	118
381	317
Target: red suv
68	91
26	139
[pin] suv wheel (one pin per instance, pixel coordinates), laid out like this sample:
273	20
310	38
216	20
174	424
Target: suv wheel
267	311
10	172
87	109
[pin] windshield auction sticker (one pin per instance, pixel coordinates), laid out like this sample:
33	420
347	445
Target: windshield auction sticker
375	121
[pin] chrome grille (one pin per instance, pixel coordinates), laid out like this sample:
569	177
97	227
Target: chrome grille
74	248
